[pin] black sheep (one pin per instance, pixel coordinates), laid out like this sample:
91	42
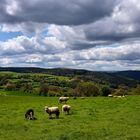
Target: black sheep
30	114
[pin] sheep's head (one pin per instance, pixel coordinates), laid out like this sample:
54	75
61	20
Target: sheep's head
46	108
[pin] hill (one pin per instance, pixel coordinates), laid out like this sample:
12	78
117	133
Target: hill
129	78
129	74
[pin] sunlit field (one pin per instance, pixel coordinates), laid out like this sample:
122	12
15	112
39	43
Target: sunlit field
93	118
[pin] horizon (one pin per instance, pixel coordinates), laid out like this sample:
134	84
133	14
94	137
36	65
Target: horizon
93	35
66	69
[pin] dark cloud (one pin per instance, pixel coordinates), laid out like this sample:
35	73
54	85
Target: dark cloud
122	24
81	45
62	12
107	29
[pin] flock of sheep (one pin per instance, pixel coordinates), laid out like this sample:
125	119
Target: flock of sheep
119	96
51	110
55	110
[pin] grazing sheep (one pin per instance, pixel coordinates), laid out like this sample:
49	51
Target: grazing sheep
30	114
119	96
110	95
63	99
52	110
66	108
82	98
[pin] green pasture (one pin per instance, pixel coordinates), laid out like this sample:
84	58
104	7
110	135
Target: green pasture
93	118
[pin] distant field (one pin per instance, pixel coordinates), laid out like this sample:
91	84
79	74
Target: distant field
93	118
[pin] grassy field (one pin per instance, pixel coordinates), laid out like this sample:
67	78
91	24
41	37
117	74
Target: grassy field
94	118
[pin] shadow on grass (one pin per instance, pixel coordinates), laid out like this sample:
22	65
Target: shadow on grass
52	118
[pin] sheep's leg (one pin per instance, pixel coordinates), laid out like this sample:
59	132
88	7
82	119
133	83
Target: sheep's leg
50	116
57	114
68	112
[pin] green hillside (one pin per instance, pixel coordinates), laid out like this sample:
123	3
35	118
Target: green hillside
128	78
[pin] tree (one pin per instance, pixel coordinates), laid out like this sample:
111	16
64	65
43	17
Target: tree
27	87
135	91
43	90
105	90
10	86
122	90
86	89
3	80
75	81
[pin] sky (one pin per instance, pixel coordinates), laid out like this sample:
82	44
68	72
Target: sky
97	35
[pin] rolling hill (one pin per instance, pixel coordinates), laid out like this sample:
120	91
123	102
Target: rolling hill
128	78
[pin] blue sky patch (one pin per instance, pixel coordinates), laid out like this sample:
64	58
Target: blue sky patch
4	36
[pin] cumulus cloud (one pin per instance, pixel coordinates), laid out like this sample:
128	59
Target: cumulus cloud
23	44
121	52
122	24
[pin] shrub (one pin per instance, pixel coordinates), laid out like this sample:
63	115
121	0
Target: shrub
135	91
10	86
105	91
122	90
43	90
86	89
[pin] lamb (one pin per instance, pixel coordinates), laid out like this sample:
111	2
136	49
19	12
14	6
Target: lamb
30	114
52	110
66	108
63	99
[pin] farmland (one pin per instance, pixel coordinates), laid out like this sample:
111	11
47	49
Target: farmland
100	118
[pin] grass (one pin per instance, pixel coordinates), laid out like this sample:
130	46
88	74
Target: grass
94	118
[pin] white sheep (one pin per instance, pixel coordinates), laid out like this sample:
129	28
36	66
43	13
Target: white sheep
52	110
66	108
63	99
119	96
110	95
82	98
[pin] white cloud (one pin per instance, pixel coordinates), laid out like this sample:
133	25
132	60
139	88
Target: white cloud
12	7
5	61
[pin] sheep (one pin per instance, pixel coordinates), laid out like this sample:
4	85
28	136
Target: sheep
119	96
63	99
82	98
110	95
30	114
52	110
66	108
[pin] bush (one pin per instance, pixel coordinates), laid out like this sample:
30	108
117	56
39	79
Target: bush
43	90
122	90
10	86
105	91
135	91
86	89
